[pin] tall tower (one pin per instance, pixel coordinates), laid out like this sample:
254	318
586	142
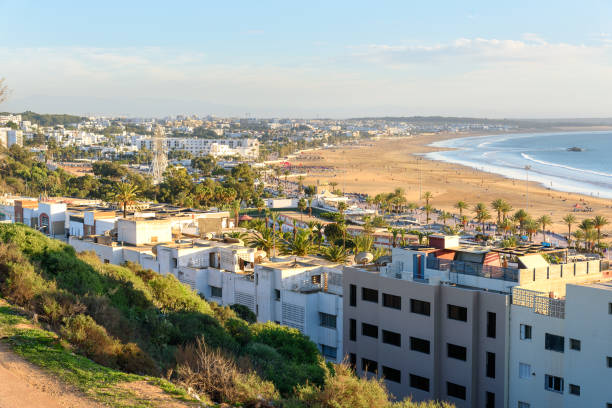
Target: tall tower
160	160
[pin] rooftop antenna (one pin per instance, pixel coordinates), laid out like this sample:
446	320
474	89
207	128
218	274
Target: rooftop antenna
160	160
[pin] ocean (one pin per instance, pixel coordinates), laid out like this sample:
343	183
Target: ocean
551	164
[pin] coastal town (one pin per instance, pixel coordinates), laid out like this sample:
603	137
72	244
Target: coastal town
360	275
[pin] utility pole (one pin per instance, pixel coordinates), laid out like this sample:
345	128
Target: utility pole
527	168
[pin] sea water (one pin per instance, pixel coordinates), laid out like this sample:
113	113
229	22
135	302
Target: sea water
588	171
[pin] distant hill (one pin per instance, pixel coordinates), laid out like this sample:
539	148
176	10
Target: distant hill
49	119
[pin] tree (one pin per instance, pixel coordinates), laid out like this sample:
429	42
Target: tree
481	214
125	194
236	212
531	227
499	205
544	220
428	209
587	228
569	220
444	216
598	223
264	240
335	253
333	232
302	205
427	196
309	206
300	245
520	216
461	205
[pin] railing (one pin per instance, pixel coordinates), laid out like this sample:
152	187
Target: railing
473	269
539	302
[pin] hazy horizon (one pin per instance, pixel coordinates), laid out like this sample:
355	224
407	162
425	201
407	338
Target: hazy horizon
550	60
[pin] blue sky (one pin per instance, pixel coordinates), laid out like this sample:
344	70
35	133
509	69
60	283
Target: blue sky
309	59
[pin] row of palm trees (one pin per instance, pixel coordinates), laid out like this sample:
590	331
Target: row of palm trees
267	235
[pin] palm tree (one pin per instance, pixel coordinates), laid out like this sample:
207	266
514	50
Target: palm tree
335	253
506	226
544	221
300	183
599	222
587	226
461	205
310	206
579	236
428	208
275	220
505	209
341	208
236	212
363	243
300	245
497	206
520	216
427	196
569	219
264	240
125	194
444	216
482	214
464	221
302	207
531	227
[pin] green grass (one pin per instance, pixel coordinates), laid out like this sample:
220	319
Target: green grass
43	349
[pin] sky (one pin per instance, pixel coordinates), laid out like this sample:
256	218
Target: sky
327	59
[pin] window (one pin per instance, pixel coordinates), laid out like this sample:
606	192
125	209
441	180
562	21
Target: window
609	361
369	366
353	360
420	307
389	337
574	389
455	390
554	343
552	383
574	344
174	262
522	404
392	301
525	332
490	365
392	374
216	292
276	294
420	345
353	329
329	352
315	279
106	261
490	400
418	382
369	295
353	295
455	351
369	330
327	320
457	313
609	308
524	370
491	324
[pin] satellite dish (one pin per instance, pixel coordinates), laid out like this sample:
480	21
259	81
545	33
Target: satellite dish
364	258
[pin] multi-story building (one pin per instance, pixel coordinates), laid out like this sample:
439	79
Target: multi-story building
436	322
245	147
9	137
561	343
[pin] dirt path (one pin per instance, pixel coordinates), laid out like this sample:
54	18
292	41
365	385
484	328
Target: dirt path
23	385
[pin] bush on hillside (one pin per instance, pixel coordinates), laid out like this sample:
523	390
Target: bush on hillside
244	313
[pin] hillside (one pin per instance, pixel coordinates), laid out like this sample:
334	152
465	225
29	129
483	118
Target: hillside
127	324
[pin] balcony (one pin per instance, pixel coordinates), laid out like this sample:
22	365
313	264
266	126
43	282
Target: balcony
539	302
473	269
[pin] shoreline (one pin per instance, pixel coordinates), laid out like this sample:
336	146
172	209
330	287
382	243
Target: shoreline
378	166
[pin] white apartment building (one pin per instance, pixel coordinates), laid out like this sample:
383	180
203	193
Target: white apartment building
248	148
9	137
561	345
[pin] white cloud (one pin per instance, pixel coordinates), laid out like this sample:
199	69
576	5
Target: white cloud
529	77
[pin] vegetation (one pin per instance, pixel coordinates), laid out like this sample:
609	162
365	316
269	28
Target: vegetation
131	320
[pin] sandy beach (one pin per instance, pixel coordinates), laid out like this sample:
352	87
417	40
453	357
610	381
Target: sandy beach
383	165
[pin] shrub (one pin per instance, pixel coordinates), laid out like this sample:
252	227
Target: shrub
132	359
172	295
57	305
91	339
210	371
244	313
